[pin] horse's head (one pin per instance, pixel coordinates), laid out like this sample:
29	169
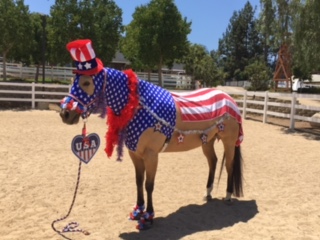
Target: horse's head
86	95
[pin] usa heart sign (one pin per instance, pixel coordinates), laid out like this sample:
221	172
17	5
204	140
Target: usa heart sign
85	147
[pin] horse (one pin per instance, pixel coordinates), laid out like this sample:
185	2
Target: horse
149	120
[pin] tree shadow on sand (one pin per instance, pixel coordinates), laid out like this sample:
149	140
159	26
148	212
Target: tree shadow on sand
213	215
307	133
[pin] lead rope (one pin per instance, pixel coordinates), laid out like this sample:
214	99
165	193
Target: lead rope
72	226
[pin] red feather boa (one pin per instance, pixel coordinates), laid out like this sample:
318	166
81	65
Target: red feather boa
118	123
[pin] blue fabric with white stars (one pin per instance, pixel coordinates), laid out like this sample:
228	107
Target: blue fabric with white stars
157	99
161	103
81	95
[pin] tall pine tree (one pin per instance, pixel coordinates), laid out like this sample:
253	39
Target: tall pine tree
240	44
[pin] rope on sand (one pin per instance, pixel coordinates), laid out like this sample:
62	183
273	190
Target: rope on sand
72	226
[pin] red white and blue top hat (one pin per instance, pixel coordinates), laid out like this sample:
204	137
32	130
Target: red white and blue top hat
84	56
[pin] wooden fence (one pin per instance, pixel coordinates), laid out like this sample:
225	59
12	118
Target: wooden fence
283	105
32	92
263	103
56	74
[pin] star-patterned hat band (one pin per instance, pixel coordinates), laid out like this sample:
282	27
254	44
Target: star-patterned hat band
84	56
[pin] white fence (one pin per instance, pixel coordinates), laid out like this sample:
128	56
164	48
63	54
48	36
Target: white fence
32	93
36	93
269	100
13	70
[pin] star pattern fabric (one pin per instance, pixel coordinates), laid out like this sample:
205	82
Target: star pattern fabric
161	103
82	96
155	98
117	90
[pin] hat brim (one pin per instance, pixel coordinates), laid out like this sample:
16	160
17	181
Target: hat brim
91	71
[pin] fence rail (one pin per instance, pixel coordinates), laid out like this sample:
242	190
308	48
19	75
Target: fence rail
54	73
288	101
29	92
263	103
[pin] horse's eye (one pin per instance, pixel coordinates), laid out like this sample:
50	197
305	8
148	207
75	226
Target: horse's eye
86	84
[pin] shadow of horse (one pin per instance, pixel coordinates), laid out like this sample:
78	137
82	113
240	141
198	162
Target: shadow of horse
187	220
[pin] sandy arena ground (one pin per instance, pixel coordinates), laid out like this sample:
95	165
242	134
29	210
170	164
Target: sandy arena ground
38	173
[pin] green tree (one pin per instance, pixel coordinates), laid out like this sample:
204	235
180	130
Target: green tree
259	75
98	20
209	72
283	22
15	35
200	65
306	40
37	53
193	58
240	44
266	29
156	36
276	25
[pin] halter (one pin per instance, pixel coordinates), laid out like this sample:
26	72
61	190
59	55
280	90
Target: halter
72	102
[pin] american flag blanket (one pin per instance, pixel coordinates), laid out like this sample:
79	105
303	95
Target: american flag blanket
207	104
201	105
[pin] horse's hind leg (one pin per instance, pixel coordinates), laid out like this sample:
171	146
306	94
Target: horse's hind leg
139	171
233	158
208	151
229	154
233	165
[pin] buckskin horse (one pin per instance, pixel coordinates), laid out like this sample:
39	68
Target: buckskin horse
149	120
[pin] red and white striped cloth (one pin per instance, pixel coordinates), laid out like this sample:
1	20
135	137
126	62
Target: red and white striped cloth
207	104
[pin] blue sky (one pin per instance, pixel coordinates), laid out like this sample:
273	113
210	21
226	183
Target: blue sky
210	18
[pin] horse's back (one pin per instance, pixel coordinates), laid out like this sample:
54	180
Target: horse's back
200	116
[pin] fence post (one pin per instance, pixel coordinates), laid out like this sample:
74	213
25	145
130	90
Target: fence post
51	73
33	105
265	107
293	110
20	65
244	107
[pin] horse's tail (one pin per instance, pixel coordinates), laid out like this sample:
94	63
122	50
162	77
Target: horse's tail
237	171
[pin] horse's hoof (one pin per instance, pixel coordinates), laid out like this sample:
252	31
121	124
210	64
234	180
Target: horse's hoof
227	201
135	217
137	213
144	225
146	221
207	198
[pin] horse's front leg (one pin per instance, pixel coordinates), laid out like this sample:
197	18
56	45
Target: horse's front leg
150	159
139	171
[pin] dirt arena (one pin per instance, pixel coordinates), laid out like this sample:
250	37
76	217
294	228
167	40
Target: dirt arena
38	173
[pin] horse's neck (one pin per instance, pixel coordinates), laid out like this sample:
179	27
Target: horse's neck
117	90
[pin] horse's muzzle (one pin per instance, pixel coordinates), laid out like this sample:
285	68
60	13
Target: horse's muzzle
69	116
